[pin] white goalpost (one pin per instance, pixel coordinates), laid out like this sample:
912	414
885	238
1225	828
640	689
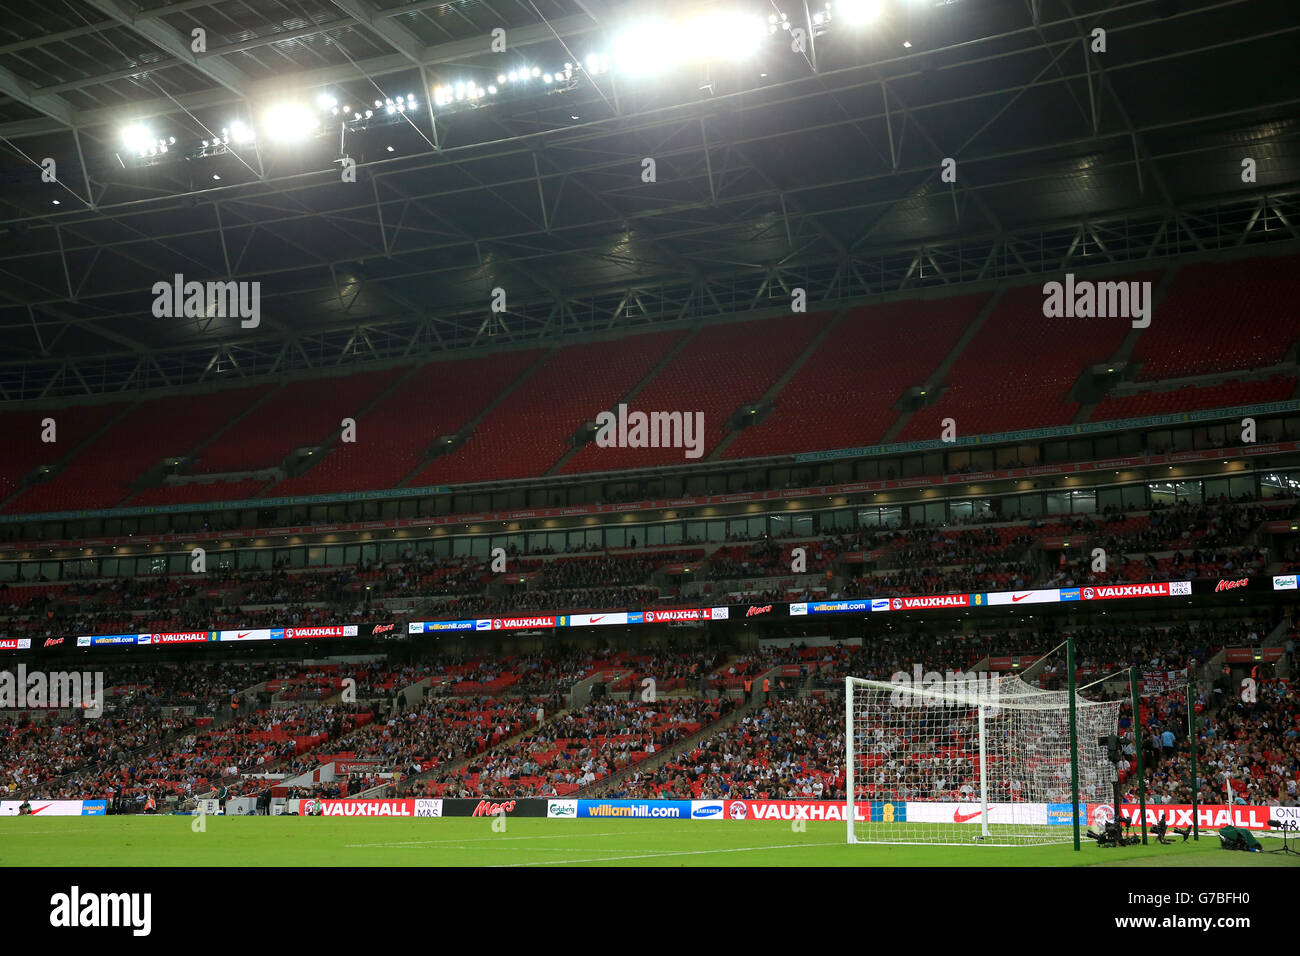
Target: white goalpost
983	760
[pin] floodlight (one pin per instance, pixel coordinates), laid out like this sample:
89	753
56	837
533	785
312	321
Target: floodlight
325	101
646	49
289	122
492	89
725	35
858	13
239	132
137	139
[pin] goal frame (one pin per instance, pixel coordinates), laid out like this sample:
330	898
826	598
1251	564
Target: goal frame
1069	710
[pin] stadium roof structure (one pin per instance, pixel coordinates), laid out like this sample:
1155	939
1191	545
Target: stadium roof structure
817	169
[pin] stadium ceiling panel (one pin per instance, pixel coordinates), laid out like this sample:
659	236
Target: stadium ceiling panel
478	168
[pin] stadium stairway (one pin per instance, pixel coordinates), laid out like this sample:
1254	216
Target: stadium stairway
442	770
936	378
468	428
607	784
331	441
196	450
220	715
250	410
770	395
663	363
77	449
1125	350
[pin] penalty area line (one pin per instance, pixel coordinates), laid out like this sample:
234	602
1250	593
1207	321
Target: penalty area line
671	853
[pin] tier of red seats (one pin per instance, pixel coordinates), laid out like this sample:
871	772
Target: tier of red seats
101	476
25	451
721	369
300	414
1015	373
530	430
1190	398
843	395
439	399
199	491
1219	316
1020	367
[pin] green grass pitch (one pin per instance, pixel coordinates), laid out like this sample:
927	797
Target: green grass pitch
330	841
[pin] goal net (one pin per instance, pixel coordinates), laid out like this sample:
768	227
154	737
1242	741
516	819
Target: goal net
970	760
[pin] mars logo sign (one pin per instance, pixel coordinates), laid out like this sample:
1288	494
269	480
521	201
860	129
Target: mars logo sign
486	808
755	611
1229	585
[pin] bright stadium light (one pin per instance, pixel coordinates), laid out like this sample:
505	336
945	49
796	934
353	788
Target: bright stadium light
660	46
137	139
290	122
725	35
240	133
326	102
646	49
857	13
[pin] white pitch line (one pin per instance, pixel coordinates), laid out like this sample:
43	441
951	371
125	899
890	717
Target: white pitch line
487	839
479	848
650	856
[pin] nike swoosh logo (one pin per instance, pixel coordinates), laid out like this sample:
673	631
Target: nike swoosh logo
597	617
240	637
1019	597
965	817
